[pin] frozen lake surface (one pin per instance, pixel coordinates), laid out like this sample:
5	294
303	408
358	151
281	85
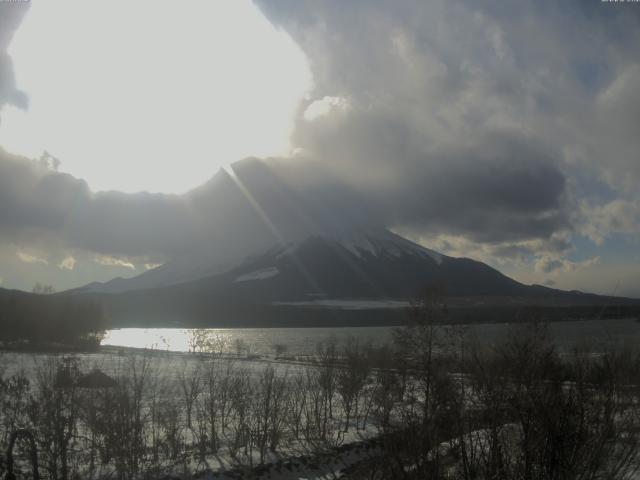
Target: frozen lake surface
302	341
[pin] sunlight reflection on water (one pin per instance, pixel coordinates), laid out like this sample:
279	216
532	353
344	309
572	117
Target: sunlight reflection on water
173	339
251	340
303	341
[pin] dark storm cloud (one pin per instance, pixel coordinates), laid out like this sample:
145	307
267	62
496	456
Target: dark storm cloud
468	118
261	204
130	224
500	190
274	200
37	201
11	14
32	195
498	186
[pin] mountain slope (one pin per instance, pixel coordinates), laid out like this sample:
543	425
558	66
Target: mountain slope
371	263
370	273
378	265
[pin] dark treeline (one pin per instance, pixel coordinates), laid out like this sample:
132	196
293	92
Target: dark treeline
247	315
46	319
432	404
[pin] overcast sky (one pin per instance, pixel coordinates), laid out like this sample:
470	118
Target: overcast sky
505	132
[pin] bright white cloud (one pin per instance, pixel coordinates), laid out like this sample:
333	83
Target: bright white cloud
68	263
109	261
324	106
155	95
29	258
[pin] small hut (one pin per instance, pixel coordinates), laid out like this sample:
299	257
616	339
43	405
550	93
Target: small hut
96	379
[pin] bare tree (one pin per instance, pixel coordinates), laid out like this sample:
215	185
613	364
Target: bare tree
352	378
268	411
54	412
191	386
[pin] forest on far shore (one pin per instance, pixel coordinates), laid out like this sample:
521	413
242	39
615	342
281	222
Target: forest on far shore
29	320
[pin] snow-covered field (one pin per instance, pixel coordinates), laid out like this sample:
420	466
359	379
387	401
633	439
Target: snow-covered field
169	381
275	412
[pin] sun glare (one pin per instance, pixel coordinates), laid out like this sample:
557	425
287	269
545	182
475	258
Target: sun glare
152	95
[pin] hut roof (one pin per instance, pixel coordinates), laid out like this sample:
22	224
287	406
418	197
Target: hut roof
96	379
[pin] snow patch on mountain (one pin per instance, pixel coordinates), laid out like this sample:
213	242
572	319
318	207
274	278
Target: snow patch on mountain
261	274
376	243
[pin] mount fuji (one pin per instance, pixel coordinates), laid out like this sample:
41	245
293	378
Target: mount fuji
275	256
365	277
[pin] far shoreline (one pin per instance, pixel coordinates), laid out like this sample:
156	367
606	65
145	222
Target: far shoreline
22	346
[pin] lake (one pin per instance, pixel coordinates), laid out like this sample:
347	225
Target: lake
302	341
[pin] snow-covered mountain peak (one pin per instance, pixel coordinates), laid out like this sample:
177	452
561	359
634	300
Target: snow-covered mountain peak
373	242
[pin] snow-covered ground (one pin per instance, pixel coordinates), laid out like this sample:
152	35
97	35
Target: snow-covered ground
166	372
